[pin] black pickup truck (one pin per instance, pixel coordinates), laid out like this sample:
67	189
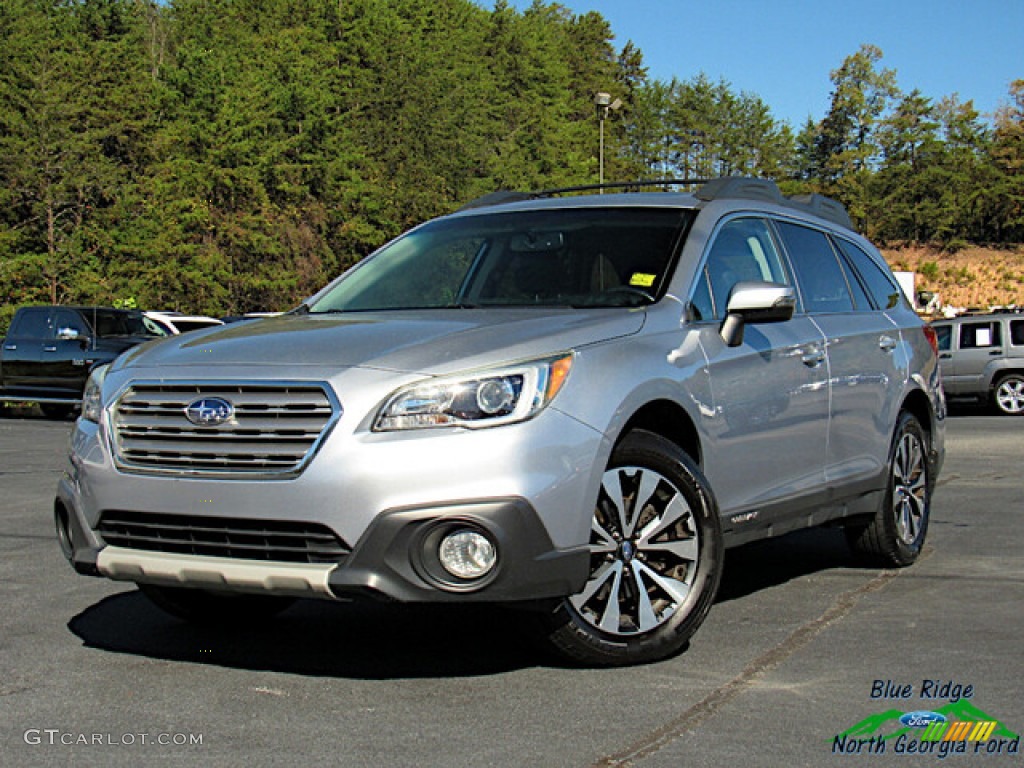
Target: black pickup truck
49	351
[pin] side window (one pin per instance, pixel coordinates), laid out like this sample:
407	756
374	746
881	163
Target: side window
32	324
1017	333
821	279
743	250
861	301
979	335
944	334
885	292
64	319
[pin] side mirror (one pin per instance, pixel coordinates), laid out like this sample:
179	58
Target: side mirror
756	302
69	334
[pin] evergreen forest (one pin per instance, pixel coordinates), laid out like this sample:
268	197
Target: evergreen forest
224	156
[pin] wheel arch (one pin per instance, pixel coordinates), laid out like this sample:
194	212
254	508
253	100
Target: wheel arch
670	420
916	402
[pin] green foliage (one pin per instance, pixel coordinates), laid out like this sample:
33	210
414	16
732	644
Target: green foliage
222	156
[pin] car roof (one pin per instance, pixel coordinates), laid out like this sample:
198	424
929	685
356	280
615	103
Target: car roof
740	189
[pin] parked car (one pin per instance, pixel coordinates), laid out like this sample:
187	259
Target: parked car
49	351
173	323
982	357
568	404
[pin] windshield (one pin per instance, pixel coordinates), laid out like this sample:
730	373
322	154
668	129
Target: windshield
581	257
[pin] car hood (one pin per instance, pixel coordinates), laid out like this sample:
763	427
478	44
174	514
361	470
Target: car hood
420	341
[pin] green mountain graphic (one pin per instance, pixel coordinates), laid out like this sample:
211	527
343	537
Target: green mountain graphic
882	723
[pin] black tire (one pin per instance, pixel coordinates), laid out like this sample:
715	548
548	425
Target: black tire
201	606
1008	395
896	534
655	565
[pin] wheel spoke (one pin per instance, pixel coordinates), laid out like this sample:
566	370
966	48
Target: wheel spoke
682	549
607	542
646	617
674	511
677	590
610	618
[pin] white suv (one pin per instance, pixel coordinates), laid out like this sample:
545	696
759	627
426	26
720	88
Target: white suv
567	403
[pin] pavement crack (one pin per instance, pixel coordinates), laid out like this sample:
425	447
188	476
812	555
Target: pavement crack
724	694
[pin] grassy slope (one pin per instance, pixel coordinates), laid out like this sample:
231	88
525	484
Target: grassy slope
973	277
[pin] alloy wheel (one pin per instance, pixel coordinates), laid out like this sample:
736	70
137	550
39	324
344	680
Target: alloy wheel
644	549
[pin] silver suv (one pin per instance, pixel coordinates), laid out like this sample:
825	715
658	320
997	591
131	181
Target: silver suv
982	356
572	404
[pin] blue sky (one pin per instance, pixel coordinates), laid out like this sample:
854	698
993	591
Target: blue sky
784	50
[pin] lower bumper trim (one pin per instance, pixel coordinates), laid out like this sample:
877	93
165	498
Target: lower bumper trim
298	579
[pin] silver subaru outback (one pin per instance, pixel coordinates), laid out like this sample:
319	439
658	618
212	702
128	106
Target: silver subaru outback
571	404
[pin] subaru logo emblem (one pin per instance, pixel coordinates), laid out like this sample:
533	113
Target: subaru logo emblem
209	411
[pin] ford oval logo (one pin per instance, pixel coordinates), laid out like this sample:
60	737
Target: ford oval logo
209	411
922	718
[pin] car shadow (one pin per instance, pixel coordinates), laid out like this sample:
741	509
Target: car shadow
773	562
380	641
358	640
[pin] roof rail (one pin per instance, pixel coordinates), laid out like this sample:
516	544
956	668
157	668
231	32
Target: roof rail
726	187
822	206
741	187
513	196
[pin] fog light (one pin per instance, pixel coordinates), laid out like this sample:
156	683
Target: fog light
467	554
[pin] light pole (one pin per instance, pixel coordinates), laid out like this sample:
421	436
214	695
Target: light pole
603	102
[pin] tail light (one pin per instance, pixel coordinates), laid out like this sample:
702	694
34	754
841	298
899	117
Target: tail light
933	338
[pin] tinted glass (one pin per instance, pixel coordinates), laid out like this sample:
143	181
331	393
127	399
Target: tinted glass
743	250
821	279
1017	333
582	257
72	320
882	288
32	324
977	335
944	334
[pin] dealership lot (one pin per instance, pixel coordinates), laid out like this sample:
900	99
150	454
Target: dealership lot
801	646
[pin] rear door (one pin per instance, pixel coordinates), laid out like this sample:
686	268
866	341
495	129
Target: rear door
769	420
977	344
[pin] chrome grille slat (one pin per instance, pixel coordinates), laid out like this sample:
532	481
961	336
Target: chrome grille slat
276	540
274	430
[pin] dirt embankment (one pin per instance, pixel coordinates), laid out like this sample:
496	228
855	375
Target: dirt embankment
971	278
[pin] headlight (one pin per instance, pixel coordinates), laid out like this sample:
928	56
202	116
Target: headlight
92	398
479	399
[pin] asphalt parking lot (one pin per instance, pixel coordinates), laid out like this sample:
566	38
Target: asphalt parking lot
805	660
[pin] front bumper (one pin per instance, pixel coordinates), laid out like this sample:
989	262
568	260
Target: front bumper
528	487
396	559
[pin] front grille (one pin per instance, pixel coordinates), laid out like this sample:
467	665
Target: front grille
274	429
273	540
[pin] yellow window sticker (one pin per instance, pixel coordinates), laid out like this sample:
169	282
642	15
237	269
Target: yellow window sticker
642	280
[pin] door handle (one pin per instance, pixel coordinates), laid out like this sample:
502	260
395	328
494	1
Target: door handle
995	352
946	356
812	357
887	343
10	347
49	349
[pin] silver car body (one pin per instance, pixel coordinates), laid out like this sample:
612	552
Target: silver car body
981	354
792	427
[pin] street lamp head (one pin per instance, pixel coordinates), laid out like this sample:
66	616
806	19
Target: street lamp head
602	99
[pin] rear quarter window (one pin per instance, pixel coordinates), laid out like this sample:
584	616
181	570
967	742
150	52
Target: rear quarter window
883	289
1017	333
